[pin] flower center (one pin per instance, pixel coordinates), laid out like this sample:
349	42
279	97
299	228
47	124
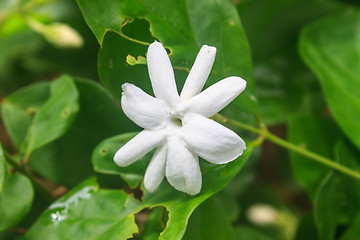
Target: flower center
176	121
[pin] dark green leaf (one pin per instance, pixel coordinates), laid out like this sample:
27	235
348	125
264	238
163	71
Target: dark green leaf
247	233
209	221
338	198
284	85
317	135
183	31
56	115
353	231
155	224
15	200
330	48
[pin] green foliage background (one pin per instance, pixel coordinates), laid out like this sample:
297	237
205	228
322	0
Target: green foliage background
61	121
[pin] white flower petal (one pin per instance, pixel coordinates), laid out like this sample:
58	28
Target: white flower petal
199	72
210	140
138	146
143	109
155	172
161	74
214	98
182	167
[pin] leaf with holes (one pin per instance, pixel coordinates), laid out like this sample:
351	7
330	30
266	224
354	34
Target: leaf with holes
183	30
331	49
56	115
88	212
180	205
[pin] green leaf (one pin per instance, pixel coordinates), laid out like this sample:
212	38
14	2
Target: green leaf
353	232
88	212
103	163
183	31
179	205
134	61
209	221
56	115
330	48
246	232
67	160
337	201
2	167
284	85
18	108
15	200
109	214
155	223
316	135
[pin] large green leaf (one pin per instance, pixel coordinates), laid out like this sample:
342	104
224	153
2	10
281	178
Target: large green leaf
331	49
179	205
56	115
68	159
18	108
284	85
209	221
183	30
88	213
15	200
317	135
85	204
337	200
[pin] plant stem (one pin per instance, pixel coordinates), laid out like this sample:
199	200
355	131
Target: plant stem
40	188
285	144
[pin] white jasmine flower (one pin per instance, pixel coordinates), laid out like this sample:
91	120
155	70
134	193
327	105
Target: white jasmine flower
179	126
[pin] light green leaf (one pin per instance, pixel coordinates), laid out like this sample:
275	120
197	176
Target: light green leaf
183	30
134	61
317	135
88	213
209	221
15	200
67	160
56	115
331	49
2	167
179	205
18	108
337	200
